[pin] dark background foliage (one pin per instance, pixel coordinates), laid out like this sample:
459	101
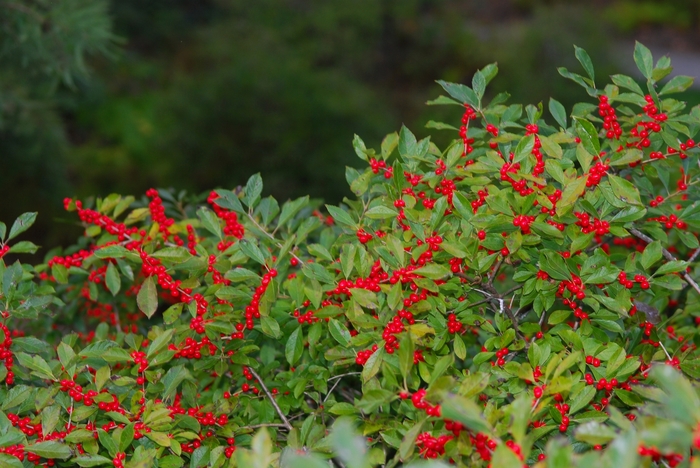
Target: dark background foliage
100	96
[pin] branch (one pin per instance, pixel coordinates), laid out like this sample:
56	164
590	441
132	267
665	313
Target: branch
668	256
257	426
338	378
271	236
694	256
285	422
492	276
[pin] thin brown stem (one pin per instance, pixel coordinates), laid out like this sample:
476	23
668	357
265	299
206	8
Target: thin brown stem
257	426
668	256
285	422
694	256
493	274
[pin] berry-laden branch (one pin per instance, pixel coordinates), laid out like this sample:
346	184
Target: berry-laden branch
284	419
668	256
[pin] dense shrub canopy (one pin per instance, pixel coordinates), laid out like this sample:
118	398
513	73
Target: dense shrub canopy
525	295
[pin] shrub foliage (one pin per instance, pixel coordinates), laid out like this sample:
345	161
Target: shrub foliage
525	296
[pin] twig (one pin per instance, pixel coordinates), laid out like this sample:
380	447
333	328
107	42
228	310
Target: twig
493	296
338	378
694	256
668	256
285	422
272	237
492	276
257	426
664	348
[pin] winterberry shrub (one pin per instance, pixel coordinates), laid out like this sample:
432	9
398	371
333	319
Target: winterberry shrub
526	296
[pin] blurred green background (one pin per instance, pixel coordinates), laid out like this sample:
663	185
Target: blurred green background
100	96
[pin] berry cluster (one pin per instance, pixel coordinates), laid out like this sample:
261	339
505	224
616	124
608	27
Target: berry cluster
672	459
610	123
363	356
155	206
597	226
469	114
432	447
629	284
6	355
454	325
377	166
418	400
523	222
596	173
231	225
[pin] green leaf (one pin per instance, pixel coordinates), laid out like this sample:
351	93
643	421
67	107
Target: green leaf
360	148
210	221
582	398
147	297
381	212
51	449
624	190
389	143
643	59
91	460
652	254
251	250
585	61
253	189
588	135
49	418
479	85
160	342
572	191
113	280
467	412
372	366
547	231
524	148
270	327
408	145
558	112
677	84
339	332
671	267
111	251
408	443
626	82
461	93
433	271
294	347
406	351
504	457
459	348
553	264
23	247
229	200
348	444
341	216
10	461
681	399
291	208
172	254
21	224
551	147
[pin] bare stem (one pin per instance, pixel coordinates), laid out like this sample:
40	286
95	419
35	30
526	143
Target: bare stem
257	426
668	256
272	237
338	378
285	421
